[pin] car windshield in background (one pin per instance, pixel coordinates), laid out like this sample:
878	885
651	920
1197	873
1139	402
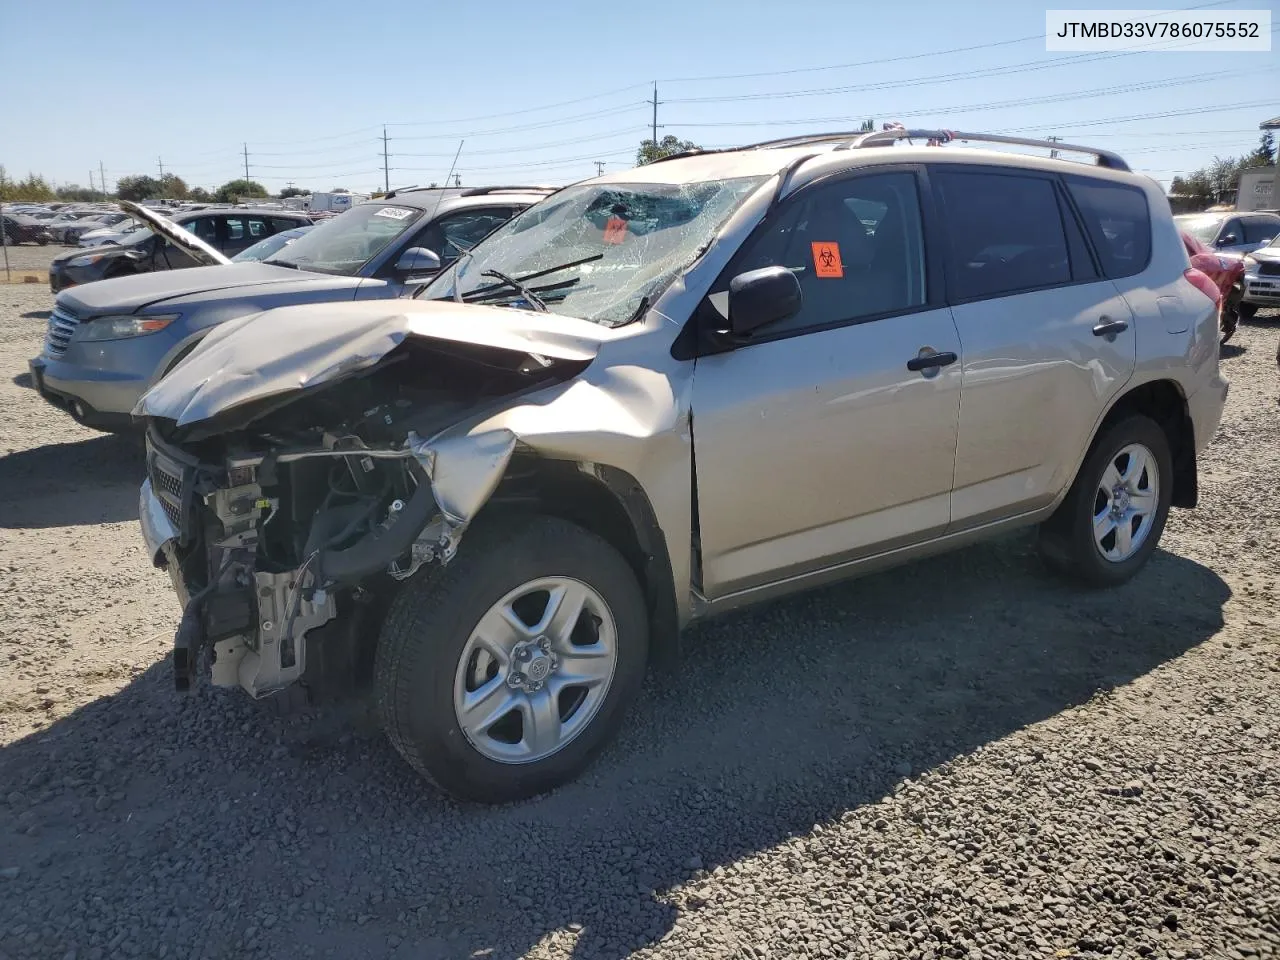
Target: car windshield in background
270	246
596	251
347	242
1204	229
139	235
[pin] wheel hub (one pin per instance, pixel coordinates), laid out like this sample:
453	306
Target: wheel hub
533	661
1119	501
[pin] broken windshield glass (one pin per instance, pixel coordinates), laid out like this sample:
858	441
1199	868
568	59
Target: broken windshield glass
603	248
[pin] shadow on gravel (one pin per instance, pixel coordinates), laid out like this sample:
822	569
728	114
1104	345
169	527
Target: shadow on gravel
779	719
65	484
36	315
23	380
1229	351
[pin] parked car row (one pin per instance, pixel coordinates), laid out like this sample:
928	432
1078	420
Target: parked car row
380	249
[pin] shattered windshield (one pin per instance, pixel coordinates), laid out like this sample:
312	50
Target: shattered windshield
350	240
595	251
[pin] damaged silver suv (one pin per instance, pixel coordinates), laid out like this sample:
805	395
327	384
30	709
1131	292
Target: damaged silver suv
667	393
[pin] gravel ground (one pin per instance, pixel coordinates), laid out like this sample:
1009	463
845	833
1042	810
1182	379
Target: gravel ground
1010	768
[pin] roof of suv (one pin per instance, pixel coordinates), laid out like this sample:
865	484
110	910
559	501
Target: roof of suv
238	212
809	157
452	198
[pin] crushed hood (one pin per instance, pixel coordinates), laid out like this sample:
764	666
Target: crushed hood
127	294
294	348
166	227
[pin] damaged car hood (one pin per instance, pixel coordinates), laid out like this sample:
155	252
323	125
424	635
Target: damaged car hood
293	348
167	228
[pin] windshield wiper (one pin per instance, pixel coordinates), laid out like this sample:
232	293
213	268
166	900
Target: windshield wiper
481	291
534	300
282	263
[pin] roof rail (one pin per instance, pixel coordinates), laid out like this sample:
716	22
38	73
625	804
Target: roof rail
849	139
883	138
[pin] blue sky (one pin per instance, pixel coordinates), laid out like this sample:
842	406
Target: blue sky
540	92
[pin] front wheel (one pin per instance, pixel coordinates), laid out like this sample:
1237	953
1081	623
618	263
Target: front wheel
1111	520
1230	319
501	675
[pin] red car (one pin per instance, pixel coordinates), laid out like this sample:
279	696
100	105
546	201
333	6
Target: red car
1226	272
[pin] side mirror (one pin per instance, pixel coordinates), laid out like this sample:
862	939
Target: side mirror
1229	240
763	296
417	261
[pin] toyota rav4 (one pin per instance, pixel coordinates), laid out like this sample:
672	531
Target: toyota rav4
663	394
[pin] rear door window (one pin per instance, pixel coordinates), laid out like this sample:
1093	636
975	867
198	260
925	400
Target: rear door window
258	228
1118	222
1003	232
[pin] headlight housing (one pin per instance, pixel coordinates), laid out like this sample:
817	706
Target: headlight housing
86	260
1250	264
122	328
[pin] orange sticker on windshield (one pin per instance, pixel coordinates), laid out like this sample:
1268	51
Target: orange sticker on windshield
615	230
826	260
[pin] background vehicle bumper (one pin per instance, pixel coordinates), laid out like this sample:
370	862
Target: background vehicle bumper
1264	291
96	398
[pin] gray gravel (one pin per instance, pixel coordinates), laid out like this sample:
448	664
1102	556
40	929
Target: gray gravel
962	758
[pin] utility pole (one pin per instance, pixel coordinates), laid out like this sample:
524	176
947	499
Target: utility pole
160	164
1053	154
102	180
599	167
655	115
457	179
386	171
91	190
246	161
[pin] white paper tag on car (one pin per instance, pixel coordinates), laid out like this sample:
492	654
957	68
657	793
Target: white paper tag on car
394	213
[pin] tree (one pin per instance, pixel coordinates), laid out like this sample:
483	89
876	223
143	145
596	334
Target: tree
666	147
138	187
236	190
1264	155
33	187
199	194
77	193
288	192
867	126
173	187
339	190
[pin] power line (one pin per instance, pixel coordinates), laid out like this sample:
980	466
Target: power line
991	104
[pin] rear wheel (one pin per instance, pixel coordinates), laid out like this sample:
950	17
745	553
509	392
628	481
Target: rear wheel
501	675
1111	520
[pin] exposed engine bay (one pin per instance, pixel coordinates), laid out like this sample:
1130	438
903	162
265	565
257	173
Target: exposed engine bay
290	518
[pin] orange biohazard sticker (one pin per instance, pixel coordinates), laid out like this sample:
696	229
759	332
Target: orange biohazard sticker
826	260
615	230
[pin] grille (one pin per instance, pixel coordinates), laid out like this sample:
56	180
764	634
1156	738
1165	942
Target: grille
61	326
167	480
1269	269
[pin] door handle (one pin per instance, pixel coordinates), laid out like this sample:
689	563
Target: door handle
1106	327
931	361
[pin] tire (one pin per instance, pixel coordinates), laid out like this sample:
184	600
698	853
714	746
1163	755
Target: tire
1230	319
1067	539
427	654
1247	311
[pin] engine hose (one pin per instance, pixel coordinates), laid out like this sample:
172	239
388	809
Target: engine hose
374	553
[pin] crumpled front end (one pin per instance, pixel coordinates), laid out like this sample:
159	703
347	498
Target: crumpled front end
286	522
